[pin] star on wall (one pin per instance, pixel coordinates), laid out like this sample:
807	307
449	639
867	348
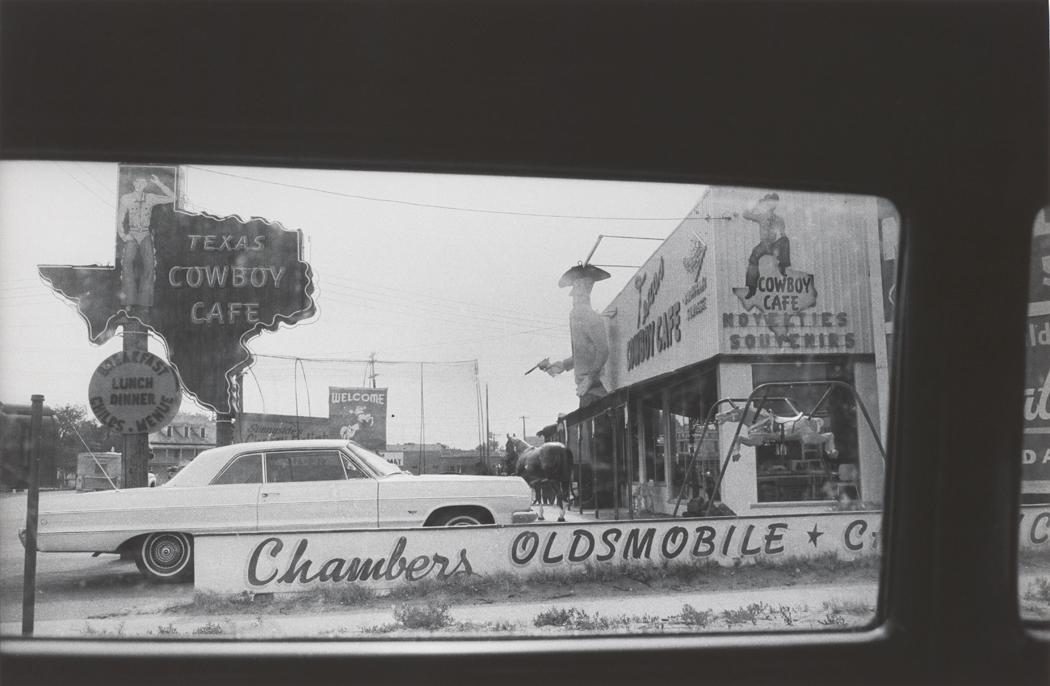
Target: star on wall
814	535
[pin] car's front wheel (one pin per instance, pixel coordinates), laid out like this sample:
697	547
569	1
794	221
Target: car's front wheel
165	557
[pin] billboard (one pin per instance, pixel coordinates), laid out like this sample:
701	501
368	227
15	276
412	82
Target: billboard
1035	453
253	426
359	415
291	561
16	446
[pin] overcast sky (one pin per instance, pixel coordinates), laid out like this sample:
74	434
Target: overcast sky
412	267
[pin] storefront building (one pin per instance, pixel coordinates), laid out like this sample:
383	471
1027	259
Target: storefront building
752	287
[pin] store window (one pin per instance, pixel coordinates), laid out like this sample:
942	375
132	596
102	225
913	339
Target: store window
805	434
654	438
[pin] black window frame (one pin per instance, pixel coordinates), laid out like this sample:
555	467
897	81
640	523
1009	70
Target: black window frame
938	106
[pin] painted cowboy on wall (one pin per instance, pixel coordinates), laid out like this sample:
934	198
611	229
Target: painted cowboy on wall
772	239
590	342
136	251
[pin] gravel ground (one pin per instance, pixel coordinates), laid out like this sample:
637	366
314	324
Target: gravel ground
826	607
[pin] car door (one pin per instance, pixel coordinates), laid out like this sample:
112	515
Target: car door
230	502
315	489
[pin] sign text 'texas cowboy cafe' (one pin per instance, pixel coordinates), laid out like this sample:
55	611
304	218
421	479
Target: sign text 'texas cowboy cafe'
205	285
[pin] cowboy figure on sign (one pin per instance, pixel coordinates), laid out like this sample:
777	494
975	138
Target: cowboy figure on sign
772	239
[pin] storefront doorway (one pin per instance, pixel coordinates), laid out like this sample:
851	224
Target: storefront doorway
676	469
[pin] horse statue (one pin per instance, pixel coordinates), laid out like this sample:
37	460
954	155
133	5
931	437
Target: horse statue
549	464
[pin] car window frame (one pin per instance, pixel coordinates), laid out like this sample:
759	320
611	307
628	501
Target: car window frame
948	599
349	462
226	467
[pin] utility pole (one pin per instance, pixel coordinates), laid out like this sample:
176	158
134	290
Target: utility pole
422	427
32	516
135	458
488	435
224	420
523	418
372	369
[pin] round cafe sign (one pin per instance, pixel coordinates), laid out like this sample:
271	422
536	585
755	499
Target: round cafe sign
134	392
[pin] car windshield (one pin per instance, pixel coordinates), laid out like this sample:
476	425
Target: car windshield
195	472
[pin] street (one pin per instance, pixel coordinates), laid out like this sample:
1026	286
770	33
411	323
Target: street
72	585
77	586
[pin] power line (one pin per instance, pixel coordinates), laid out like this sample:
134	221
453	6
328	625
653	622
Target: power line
359	361
476	339
388	291
91	175
439	308
412	312
451	208
86	187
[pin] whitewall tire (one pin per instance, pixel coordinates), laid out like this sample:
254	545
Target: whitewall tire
165	556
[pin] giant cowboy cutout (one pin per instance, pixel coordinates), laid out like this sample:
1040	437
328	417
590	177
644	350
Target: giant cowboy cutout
590	342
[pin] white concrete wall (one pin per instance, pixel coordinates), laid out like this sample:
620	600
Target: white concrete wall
300	561
872	466
740	483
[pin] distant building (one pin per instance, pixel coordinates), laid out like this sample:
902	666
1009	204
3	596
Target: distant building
178	443
395	457
438	458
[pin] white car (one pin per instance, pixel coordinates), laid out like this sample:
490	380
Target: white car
309	485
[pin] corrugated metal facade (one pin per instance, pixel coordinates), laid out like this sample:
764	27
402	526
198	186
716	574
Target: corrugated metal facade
690	300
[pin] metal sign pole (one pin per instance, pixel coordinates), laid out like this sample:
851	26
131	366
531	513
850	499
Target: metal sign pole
32	509
136	454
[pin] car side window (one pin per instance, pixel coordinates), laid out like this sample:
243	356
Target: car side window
352	470
306	465
246	469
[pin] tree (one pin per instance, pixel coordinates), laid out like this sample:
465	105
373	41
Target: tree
75	428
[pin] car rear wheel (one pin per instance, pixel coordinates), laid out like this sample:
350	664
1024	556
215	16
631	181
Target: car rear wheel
165	557
461	518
